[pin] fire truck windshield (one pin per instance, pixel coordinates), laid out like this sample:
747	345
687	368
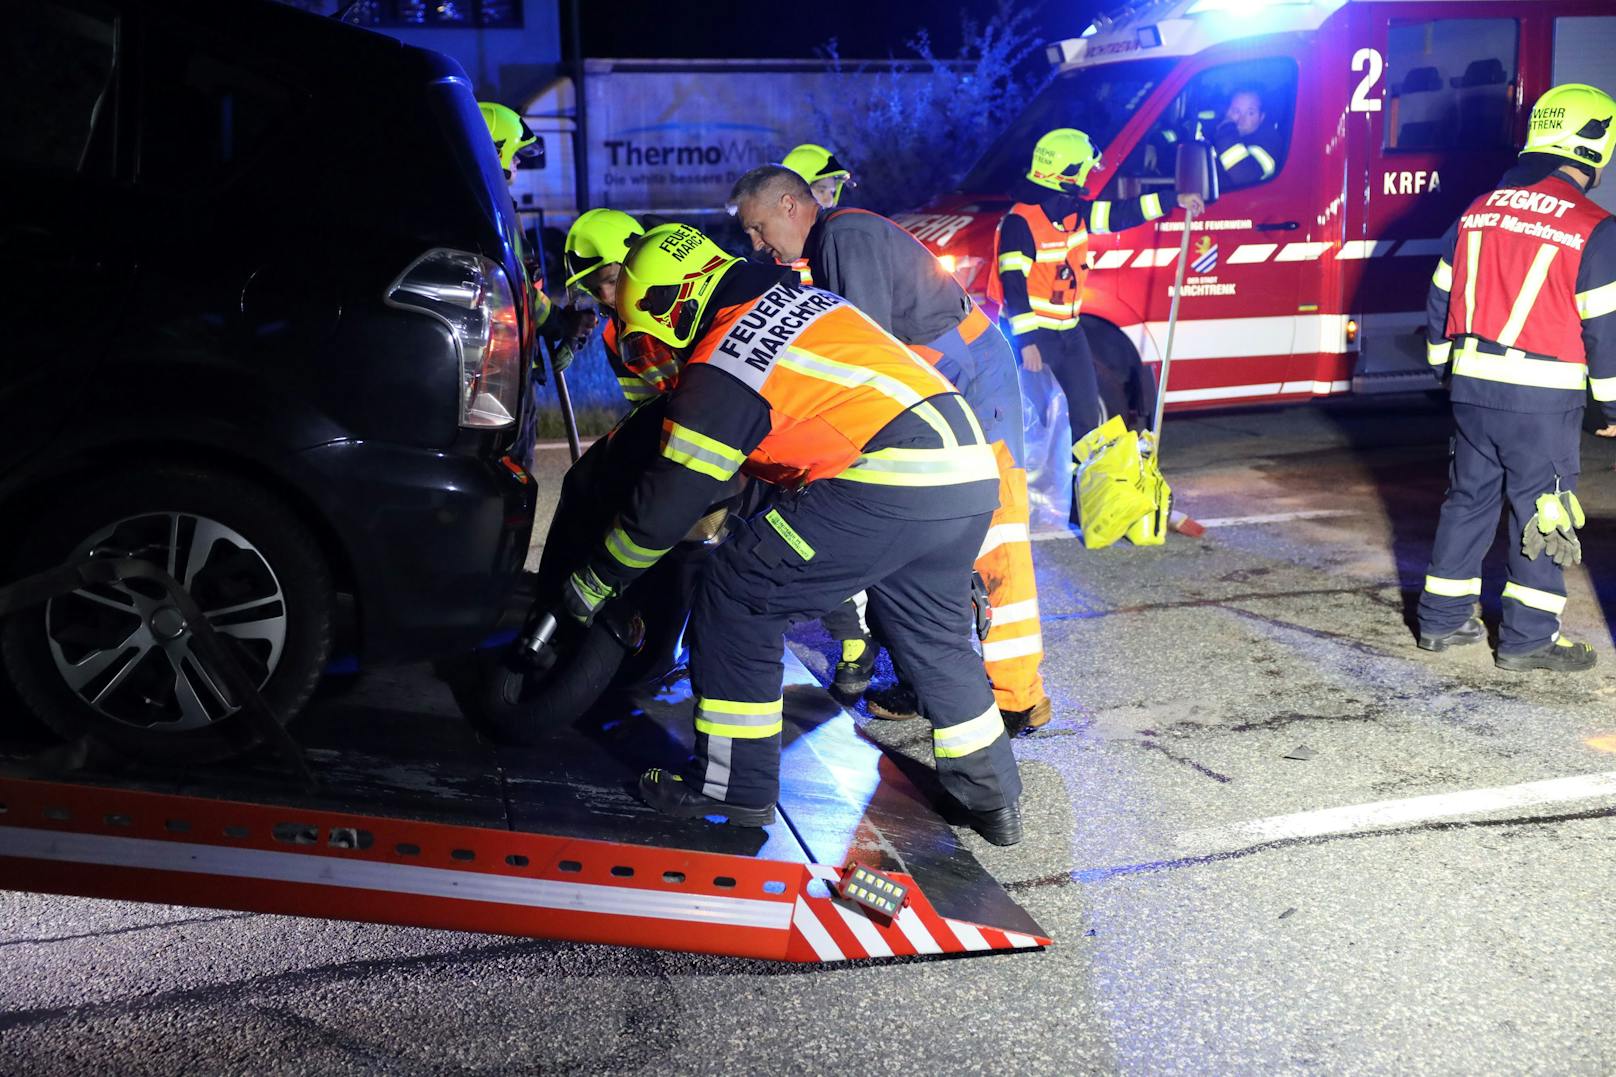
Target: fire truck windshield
1096	100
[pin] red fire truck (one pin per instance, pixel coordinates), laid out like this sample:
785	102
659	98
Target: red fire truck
1388	116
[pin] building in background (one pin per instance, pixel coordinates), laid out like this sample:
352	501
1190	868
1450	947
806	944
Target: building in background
510	48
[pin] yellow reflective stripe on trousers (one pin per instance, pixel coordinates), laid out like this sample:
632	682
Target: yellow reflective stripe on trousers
1472	265
700	453
1604	389
1437	354
1597	302
738	719
1517	369
1453	588
924	467
1014	262
1100	217
629	553
960	740
1526	298
1538	600
1443	277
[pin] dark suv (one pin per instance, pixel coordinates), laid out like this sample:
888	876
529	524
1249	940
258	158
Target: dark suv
266	326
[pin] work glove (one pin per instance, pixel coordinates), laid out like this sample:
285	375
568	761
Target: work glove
584	595
1552	530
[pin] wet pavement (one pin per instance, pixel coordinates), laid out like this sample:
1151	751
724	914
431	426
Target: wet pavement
1266	832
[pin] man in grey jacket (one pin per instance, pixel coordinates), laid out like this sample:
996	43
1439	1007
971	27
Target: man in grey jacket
885	272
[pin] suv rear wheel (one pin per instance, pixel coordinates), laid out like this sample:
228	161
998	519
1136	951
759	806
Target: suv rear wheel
117	663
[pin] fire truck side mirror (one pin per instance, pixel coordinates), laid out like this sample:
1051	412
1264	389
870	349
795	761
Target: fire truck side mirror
1196	171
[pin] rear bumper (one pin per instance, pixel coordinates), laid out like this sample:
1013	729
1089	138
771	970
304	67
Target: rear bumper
436	543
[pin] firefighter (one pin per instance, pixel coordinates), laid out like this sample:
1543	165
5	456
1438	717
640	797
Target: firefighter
1041	251
824	174
1522	315
885	272
513	140
593	258
886	485
1247	145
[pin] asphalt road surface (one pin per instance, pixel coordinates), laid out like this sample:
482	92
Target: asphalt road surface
1267	833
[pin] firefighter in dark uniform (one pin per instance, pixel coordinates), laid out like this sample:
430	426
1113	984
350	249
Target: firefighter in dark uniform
1041	252
1247	145
1522	312
887	486
886	272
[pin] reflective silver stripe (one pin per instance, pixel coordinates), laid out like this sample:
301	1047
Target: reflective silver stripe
738	719
812	365
1472	262
1043	306
1604	389
1264	158
1437	354
998	650
1443	277
700	453
1057	254
1014	262
1526	298
1233	155
1453	588
956	741
1516	369
715	778
1151	205
1597	302
1546	601
1023	323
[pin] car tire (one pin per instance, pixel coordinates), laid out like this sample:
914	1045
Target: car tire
260	575
513	706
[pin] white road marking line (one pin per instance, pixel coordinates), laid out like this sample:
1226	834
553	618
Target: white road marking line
1392	813
1276	517
552	445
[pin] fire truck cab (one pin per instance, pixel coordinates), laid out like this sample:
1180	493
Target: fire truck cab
1385	118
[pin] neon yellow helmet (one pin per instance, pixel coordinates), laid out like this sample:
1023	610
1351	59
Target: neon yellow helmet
814	163
510	134
669	277
597	238
1063	159
1574	121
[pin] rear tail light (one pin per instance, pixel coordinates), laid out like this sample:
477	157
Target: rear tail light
471	295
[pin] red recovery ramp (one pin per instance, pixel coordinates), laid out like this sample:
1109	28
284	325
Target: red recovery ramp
442	830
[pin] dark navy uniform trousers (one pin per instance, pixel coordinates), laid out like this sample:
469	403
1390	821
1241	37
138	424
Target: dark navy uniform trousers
1514	457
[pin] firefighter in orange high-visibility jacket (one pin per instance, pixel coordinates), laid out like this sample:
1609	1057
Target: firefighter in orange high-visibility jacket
1522	313
1042	256
885	484
884	271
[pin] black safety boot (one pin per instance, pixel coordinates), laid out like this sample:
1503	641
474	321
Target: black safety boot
853	672
1001	826
896	704
670	794
1472	631
1561	656
1031	720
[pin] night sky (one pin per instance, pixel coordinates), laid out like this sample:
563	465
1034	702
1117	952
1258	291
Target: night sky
865	29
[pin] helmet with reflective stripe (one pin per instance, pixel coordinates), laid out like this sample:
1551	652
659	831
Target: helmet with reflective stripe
1573	121
1063	159
510	133
814	163
669	277
598	237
